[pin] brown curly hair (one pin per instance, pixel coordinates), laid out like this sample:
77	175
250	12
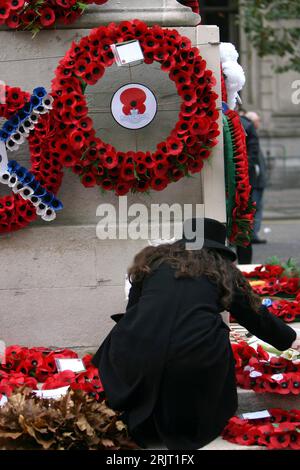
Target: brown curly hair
194	263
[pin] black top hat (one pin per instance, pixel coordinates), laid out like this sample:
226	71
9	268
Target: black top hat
214	235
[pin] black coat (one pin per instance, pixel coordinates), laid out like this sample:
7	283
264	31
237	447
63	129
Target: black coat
255	155
169	357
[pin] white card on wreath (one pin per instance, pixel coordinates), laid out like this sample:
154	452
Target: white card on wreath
256	415
52	394
129	52
75	365
3	157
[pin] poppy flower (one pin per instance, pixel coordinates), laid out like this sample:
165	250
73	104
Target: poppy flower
294	383
199	126
126	27
69	17
149	43
214	132
127	172
174	146
66	3
160	169
273	270
62	379
106	184
246	438
294	441
85	124
210	78
80	68
190	140
149	161
4	10
148	57
195	166
290	285
13	21
168	64
187	93
77	139
159	183
141	168
87	361
16	4
109	160
68	159
97	170
176	174
78	110
47	17
279	441
29	215
188	110
284	385
142	185
290	316
122	188
15	97
161	54
183	78
93	73
182	127
174	73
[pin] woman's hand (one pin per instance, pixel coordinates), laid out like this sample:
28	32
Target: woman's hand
296	343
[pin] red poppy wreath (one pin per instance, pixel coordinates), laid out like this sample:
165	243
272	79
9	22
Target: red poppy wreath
99	163
15	212
281	430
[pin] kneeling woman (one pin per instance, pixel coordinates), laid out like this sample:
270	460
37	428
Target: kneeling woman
167	365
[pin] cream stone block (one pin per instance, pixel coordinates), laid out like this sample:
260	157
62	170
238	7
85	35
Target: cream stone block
47	257
213	178
109	271
80	204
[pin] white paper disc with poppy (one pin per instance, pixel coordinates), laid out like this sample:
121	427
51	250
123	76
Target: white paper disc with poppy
134	106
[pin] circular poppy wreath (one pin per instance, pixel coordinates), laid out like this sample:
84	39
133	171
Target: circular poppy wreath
36	15
15	212
279	431
99	163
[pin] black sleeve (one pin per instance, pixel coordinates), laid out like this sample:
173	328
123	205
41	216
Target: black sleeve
262	324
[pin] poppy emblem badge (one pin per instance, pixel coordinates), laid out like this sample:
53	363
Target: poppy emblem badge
134	106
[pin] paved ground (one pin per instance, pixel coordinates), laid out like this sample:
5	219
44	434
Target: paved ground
282	204
282	217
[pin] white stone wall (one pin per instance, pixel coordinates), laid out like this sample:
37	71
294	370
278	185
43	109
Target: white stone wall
59	284
270	94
